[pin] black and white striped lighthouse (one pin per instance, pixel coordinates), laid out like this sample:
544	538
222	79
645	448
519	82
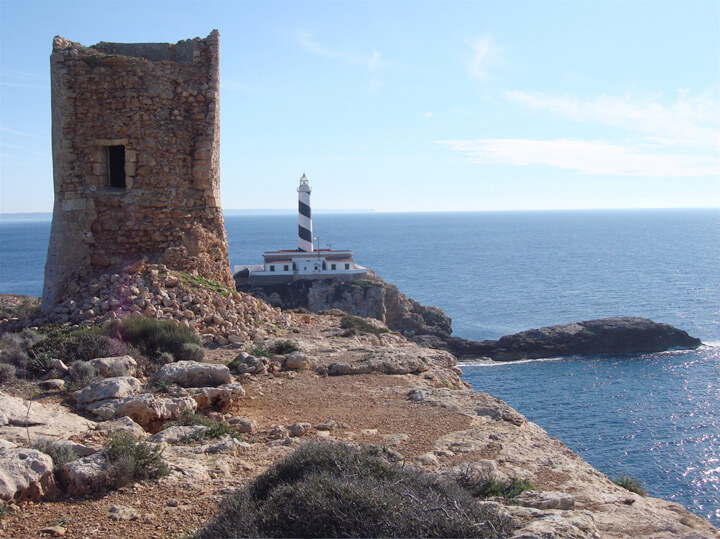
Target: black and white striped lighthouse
305	237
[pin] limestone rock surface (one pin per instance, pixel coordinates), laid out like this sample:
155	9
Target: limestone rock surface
26	474
118	387
109	367
194	374
17	416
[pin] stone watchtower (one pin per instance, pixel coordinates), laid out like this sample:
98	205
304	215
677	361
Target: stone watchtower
136	143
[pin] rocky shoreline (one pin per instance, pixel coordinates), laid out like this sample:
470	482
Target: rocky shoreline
430	326
354	386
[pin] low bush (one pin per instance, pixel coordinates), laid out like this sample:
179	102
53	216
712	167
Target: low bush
215	429
59	453
132	460
335	490
259	351
191	352
361	326
80	345
14	356
153	337
7	373
284	347
482	485
82	373
630	483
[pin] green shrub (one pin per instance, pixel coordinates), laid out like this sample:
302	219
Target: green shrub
80	345
284	347
59	453
7	373
13	355
215	429
361	326
191	352
482	485
630	483
259	351
335	490
165	358
132	460
82	373
153	337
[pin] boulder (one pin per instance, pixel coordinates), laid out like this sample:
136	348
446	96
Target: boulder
146	409
26	474
246	364
299	429
227	445
297	361
220	397
53	384
109	367
243	424
84	476
194	374
176	434
110	388
123	424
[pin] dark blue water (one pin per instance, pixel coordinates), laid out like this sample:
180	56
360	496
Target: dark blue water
656	417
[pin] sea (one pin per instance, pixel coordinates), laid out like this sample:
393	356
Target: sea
655	417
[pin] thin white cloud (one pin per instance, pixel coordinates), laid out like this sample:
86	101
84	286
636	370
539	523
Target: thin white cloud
587	157
688	120
309	44
22	133
485	54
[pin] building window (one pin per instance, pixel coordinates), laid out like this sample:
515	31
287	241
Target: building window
347	266
272	268
286	267
116	166
294	266
305	268
332	266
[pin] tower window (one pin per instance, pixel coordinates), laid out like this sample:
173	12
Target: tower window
116	166
347	266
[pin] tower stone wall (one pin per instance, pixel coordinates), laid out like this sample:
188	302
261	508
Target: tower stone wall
136	143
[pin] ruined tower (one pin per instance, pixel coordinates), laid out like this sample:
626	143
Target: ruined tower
136	143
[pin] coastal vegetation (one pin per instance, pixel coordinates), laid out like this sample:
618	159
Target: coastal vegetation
130	460
630	483
338	490
152	337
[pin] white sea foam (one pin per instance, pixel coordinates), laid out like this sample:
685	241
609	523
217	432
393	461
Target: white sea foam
493	363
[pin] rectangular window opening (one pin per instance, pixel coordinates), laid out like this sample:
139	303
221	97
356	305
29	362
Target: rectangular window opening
332	266
116	166
347	266
272	268
286	267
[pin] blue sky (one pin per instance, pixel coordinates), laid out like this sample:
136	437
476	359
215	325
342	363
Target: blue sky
410	105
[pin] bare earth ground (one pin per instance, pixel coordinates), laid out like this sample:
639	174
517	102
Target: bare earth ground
446	421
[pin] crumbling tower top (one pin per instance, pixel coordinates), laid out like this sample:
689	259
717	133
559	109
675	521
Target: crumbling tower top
136	144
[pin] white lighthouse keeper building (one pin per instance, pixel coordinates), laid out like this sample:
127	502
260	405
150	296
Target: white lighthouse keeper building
306	262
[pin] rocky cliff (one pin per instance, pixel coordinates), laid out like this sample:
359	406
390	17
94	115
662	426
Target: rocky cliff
369	298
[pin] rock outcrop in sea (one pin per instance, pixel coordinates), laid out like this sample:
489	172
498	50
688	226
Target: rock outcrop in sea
619	335
430	326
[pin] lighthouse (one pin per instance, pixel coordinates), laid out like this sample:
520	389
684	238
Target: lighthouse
305	237
289	265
